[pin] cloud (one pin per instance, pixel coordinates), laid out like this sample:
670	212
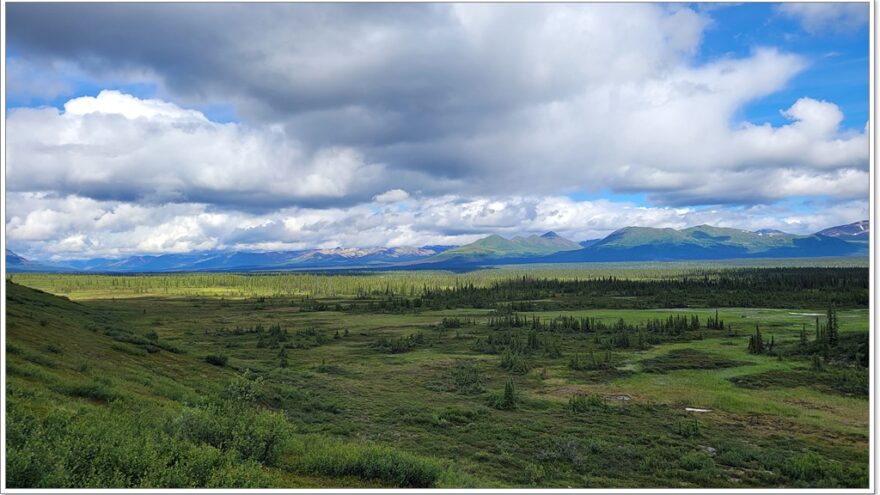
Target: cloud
391	196
403	124
659	140
827	17
75	227
116	146
438	99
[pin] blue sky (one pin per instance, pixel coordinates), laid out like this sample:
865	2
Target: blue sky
257	127
838	61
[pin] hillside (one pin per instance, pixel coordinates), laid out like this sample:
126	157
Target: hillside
16	263
147	412
497	247
856	231
246	261
702	242
705	243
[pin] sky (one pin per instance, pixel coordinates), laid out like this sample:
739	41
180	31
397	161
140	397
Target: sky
168	128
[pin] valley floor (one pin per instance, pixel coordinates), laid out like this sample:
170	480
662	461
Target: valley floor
290	391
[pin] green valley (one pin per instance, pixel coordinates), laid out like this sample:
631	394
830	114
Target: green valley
632	377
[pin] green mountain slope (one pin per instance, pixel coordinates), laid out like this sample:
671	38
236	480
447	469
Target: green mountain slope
704	242
497	247
701	235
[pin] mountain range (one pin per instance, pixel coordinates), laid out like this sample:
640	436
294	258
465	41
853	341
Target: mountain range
702	242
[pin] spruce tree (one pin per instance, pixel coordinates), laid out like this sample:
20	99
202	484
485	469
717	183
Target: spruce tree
832	328
282	355
756	342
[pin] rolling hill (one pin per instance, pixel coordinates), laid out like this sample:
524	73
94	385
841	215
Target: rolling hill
497	247
705	243
16	263
702	242
253	261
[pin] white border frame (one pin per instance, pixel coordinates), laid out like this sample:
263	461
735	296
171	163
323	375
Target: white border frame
873	258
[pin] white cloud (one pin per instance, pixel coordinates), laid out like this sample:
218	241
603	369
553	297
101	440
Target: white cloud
391	196
409	124
111	102
116	146
75	227
818	17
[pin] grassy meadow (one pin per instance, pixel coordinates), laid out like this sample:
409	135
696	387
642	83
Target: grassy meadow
517	377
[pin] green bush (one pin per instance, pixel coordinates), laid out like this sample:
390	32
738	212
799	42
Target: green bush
112	447
813	468
579	403
506	401
216	359
134	351
465	378
251	434
94	391
54	349
331	457
514	362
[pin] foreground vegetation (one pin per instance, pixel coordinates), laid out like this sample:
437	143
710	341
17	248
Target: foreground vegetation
546	380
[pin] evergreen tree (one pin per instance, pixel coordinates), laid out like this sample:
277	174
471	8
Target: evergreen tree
832	328
756	342
282	355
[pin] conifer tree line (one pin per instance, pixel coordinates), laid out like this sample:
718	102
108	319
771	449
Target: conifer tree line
671	325
827	335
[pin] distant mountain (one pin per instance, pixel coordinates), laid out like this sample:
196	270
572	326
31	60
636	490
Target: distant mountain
496	247
704	243
858	231
16	263
769	232
251	261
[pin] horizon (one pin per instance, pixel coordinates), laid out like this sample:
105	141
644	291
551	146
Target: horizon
425	246
425	124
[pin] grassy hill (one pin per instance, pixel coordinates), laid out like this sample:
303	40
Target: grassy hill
703	235
92	403
496	247
706	242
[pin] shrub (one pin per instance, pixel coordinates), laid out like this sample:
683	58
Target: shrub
94	390
326	456
134	351
168	347
216	359
591	362
400	344
514	362
506	401
112	447
459	416
811	467
54	349
582	403
465	378
39	359
249	433
565	449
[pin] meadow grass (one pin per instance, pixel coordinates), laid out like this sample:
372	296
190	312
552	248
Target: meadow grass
128	380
